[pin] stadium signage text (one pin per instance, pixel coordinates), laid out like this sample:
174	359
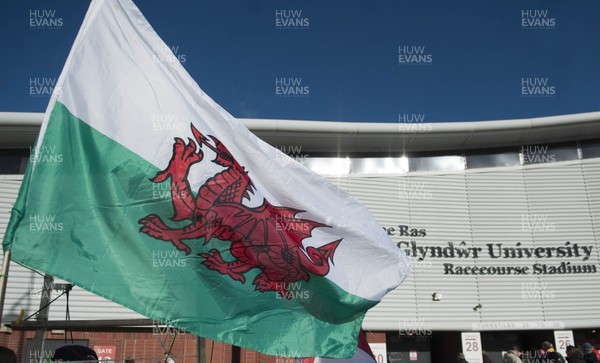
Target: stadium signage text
502	251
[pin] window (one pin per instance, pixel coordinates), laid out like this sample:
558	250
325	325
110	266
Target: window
536	154
436	163
490	160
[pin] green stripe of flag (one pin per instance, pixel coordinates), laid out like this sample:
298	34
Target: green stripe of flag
77	218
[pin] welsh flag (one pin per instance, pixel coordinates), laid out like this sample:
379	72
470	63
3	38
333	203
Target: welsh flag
141	189
363	354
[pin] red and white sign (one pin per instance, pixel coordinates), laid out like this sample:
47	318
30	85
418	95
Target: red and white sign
471	346
563	338
412	355
106	353
379	351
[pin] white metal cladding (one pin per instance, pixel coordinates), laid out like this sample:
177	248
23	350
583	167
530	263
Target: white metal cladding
547	206
543	205
25	286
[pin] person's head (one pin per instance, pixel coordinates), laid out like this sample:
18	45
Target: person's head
461	356
586	347
546	345
69	353
7	355
570	348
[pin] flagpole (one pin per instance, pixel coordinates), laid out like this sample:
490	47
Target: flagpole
44	312
4	281
201	347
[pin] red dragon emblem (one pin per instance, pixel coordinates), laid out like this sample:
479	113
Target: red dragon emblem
266	237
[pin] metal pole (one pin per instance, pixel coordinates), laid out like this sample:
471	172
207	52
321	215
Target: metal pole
38	340
4	281
201	348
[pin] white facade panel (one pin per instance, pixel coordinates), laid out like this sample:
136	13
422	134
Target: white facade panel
558	201
497	201
24	288
545	210
382	197
486	240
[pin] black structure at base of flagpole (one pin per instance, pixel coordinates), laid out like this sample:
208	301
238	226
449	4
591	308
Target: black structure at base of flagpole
84	324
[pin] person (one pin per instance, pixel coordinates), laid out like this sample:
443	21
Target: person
512	356
461	358
168	358
588	353
74	353
486	358
574	355
551	355
7	355
596	350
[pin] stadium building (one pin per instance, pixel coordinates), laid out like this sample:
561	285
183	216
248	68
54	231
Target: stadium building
499	218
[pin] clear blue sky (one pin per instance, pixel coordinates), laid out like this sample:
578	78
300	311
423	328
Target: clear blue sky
344	55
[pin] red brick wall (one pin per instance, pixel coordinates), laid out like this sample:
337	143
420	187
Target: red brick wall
145	347
375	337
248	356
221	353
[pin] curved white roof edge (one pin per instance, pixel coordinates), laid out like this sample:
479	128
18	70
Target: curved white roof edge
21	118
387	127
275	125
19	130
